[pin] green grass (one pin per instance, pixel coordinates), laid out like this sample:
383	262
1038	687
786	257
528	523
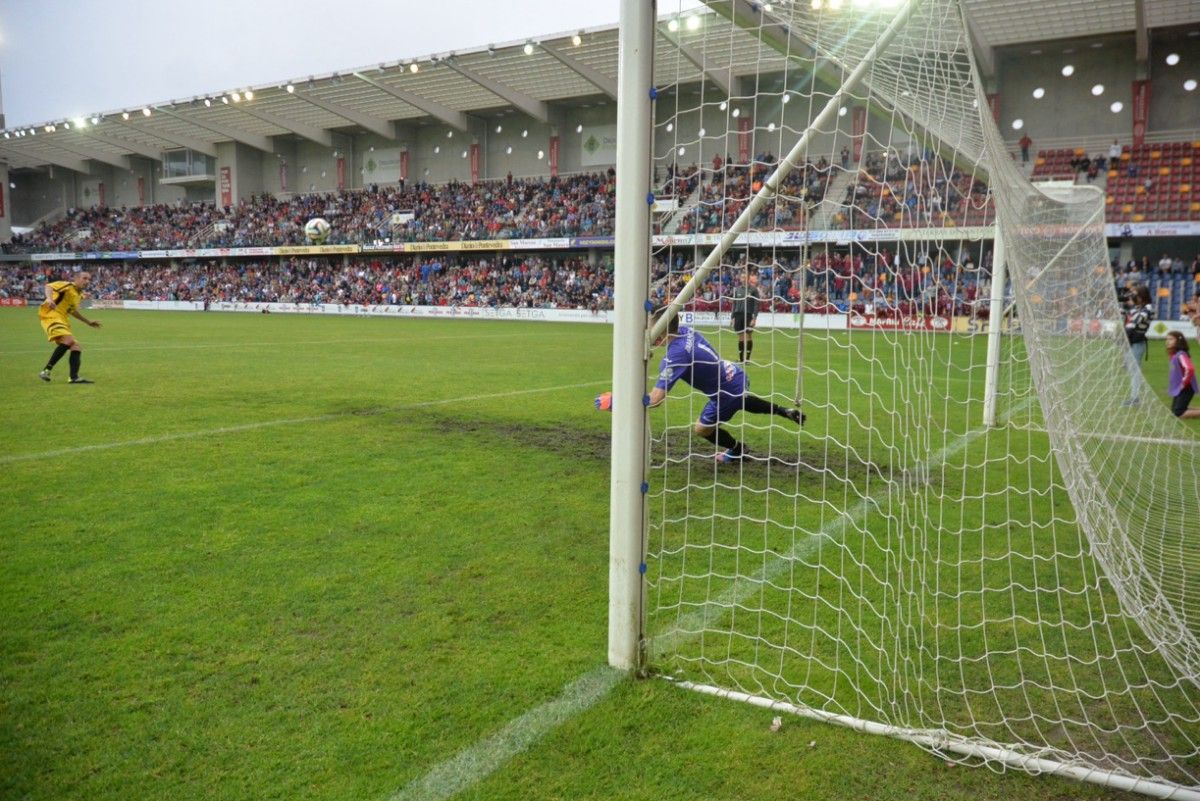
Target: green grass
331	608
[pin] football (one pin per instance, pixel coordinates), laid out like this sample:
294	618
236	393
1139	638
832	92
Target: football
316	230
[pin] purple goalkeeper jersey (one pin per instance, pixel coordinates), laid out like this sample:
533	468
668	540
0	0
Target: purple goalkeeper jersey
692	358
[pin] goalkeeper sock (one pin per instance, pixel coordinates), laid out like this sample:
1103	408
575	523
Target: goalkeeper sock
741	351
756	405
749	347
74	360
724	439
54	357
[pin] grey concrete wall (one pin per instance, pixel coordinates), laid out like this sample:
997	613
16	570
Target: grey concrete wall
6	202
39	192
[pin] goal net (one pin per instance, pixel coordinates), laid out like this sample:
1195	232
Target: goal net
986	538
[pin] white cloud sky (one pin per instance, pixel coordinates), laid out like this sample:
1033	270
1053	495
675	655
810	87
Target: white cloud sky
65	58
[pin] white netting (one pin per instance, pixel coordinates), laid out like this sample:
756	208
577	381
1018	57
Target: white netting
1029	588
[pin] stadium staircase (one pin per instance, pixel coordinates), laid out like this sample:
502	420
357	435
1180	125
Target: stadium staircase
686	207
829	206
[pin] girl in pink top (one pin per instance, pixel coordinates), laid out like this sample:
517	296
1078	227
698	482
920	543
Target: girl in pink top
1181	382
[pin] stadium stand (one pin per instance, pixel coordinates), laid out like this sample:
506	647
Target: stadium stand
1155	182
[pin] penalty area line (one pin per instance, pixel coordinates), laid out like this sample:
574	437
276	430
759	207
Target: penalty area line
286	421
476	762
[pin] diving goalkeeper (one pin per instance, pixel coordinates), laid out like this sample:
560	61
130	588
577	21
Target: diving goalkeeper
691	358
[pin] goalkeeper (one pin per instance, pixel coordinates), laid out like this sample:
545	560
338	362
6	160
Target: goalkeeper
690	357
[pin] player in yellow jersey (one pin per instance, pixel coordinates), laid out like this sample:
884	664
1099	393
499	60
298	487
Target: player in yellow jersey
62	302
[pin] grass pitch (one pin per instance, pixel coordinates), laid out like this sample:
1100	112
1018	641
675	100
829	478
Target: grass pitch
317	558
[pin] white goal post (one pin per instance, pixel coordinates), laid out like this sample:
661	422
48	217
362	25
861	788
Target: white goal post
985	545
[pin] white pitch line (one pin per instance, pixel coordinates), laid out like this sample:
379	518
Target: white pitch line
1184	443
259	343
320	418
477	762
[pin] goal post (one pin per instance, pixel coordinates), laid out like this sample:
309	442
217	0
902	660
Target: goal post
972	544
631	283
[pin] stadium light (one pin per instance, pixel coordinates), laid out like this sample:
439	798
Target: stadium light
291	88
96	120
528	48
414	68
437	149
48	128
1116	107
1068	71
541	155
1018	124
499	128
464	154
6	135
208	102
786	99
770	127
842	111
508	150
577	39
579	128
146	112
225	99
449	134
1098	90
701	132
1039	93
1189	85
249	95
767	7
816	5
673	25
124	115
723	105
737	112
693	23
237	98
1172	59
670	127
80	122
525	134
682	150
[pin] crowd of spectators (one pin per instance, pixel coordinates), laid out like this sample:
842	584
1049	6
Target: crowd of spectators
727	188
839	280
893	189
578	205
496	280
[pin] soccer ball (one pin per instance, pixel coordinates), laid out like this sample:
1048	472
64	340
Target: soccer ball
316	230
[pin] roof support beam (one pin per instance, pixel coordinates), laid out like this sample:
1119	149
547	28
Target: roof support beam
597	79
319	135
985	54
73	146
1141	37
68	162
18	160
135	148
455	119
722	79
378	125
253	140
191	143
530	105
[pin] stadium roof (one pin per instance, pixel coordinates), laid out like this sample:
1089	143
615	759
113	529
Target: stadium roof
528	76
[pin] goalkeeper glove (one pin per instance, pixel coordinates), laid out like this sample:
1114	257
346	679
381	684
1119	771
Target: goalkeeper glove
604	401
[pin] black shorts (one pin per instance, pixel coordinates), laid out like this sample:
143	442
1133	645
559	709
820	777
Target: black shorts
742	322
1180	402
